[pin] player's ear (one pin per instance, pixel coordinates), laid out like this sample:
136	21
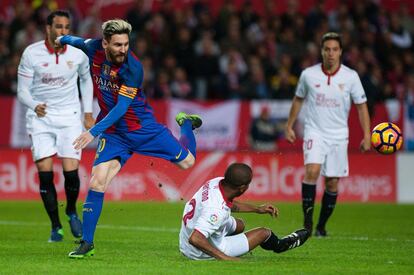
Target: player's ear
104	43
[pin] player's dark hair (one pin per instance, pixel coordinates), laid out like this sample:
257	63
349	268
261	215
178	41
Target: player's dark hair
331	36
238	174
49	19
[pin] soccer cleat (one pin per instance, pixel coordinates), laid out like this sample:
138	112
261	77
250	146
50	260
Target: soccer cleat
292	240
196	120
56	235
319	232
85	249
75	225
309	227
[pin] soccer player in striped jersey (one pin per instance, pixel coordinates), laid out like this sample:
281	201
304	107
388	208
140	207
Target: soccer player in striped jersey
326	91
126	123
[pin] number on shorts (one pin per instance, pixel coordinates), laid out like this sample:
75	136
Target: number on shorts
308	144
190	214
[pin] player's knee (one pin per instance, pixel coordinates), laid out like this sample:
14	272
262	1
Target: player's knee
240	226
265	233
188	162
331	185
97	184
312	174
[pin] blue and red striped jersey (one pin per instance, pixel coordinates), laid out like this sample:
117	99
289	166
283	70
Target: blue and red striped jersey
118	88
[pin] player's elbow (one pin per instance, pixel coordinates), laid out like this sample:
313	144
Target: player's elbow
196	239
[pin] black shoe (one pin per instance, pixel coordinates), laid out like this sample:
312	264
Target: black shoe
292	240
85	249
321	232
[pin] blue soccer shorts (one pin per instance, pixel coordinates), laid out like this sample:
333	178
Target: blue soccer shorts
154	140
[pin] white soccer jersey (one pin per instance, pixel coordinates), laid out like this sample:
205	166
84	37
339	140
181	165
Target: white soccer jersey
52	79
327	100
209	213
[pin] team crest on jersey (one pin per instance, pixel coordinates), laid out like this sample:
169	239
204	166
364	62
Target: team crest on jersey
113	75
341	87
213	218
70	64
106	69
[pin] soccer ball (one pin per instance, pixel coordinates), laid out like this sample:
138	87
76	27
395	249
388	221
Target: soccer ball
386	138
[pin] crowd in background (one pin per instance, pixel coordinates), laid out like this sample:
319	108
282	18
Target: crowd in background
191	54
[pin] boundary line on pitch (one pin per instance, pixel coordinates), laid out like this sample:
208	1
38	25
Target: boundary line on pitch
175	230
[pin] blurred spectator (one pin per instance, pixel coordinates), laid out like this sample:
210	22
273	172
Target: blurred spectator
407	20
183	49
8	77
75	14
28	35
137	16
149	75
264	132
399	36
206	67
180	86
256	85
283	85
169	64
91	24
42	9
162	85
247	15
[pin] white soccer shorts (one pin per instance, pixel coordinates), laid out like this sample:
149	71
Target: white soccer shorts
332	155
54	136
234	246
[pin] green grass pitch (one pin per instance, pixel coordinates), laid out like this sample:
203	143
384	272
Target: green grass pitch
142	238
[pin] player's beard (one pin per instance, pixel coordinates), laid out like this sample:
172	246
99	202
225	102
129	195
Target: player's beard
116	58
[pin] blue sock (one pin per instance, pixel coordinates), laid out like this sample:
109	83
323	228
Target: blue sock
91	211
187	138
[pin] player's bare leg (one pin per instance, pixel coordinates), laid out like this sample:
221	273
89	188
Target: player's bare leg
49	196
328	205
72	185
102	175
312	171
188	162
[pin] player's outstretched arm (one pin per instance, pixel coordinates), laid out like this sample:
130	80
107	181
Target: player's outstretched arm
74	41
200	241
262	209
293	115
365	122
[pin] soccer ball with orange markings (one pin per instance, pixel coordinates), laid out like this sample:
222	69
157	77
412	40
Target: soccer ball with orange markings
386	138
